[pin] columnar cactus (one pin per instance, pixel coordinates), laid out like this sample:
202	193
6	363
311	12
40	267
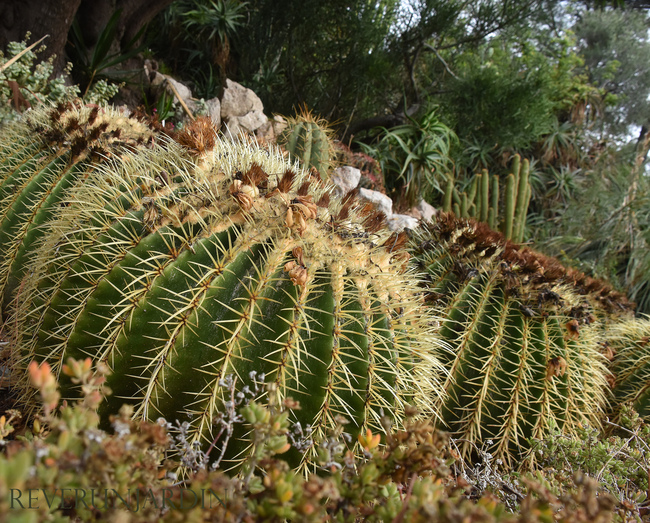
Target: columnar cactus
629	345
523	332
308	139
481	200
179	264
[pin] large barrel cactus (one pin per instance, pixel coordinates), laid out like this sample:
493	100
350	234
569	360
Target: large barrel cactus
179	264
524	335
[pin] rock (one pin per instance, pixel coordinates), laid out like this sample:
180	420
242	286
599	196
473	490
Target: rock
270	131
241	109
183	91
163	81
247	124
423	211
238	101
399	222
382	202
214	111
346	179
279	124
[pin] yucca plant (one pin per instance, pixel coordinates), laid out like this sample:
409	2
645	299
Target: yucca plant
414	157
524	333
99	62
185	265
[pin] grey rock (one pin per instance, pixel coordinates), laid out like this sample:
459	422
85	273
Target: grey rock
163	81
252	121
270	131
423	211
399	222
238	101
241	110
279	125
382	202
214	111
346	179
247	124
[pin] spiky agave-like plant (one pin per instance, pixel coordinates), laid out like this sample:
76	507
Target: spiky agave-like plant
524	335
179	264
629	344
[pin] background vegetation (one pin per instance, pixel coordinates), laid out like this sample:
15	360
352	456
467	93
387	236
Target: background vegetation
438	90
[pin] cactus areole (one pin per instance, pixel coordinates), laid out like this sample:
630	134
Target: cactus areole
180	263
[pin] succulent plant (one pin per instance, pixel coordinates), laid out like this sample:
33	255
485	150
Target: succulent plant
181	264
481	200
308	139
524	336
629	345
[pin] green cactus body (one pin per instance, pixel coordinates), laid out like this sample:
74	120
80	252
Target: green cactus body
523	197
308	139
525	354
628	343
485	203
493	213
34	179
179	270
449	191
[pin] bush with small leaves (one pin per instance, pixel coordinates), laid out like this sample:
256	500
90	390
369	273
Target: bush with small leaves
24	83
67	469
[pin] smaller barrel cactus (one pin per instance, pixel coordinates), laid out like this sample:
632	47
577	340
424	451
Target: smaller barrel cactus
524	337
628	343
308	139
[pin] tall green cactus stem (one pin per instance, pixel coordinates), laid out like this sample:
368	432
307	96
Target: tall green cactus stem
510	199
494	207
179	265
525	353
449	193
308	139
481	201
485	199
521	206
629	345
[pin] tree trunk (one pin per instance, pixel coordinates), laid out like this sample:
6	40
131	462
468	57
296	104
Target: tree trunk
94	15
17	17
54	18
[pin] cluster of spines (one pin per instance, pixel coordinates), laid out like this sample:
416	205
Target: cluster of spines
41	161
214	260
628	344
